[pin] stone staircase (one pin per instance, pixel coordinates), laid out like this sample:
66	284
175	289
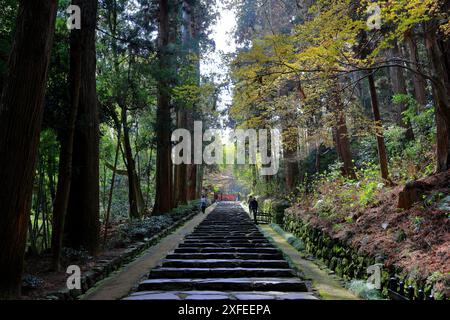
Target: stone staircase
225	258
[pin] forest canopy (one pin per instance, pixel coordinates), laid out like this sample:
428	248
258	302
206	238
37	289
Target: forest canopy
360	91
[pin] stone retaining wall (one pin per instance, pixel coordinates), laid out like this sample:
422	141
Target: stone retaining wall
349	263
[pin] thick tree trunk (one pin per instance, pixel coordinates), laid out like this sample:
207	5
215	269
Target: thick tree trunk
136	199
191	169
200	171
442	142
399	87
291	169
191	44
163	198
192	185
65	158
438	54
82	220
21	108
1	84
148	173
343	144
419	82
195	181
181	171
290	143
180	183
4	57
317	157
382	155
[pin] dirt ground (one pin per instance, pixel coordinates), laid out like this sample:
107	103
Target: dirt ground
45	280
39	280
416	240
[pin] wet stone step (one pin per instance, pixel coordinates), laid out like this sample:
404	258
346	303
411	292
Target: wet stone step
225	230
239	224
227	255
224	237
225	245
220	295
236	224
228	263
228	284
228	249
171	273
227	241
227	226
227	237
227	233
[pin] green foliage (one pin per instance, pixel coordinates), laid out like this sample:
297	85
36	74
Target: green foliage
8	10
150	226
31	282
417	158
364	290
408	159
433	198
436	283
423	120
311	55
334	196
140	230
38	238
69	255
417	222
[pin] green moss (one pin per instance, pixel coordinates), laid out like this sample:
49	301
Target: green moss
364	290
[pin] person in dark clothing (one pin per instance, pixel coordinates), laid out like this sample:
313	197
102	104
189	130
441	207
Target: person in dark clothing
203	203
253	206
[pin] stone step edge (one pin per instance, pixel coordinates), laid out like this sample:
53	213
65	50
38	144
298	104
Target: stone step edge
218	295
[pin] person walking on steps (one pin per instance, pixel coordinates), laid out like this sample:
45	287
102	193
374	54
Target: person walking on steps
203	203
253	206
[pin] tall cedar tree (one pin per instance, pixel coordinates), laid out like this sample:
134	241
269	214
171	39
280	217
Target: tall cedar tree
21	109
438	49
82	221
77	38
163	198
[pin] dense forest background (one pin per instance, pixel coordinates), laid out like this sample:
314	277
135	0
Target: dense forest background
86	115
366	99
108	96
361	95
